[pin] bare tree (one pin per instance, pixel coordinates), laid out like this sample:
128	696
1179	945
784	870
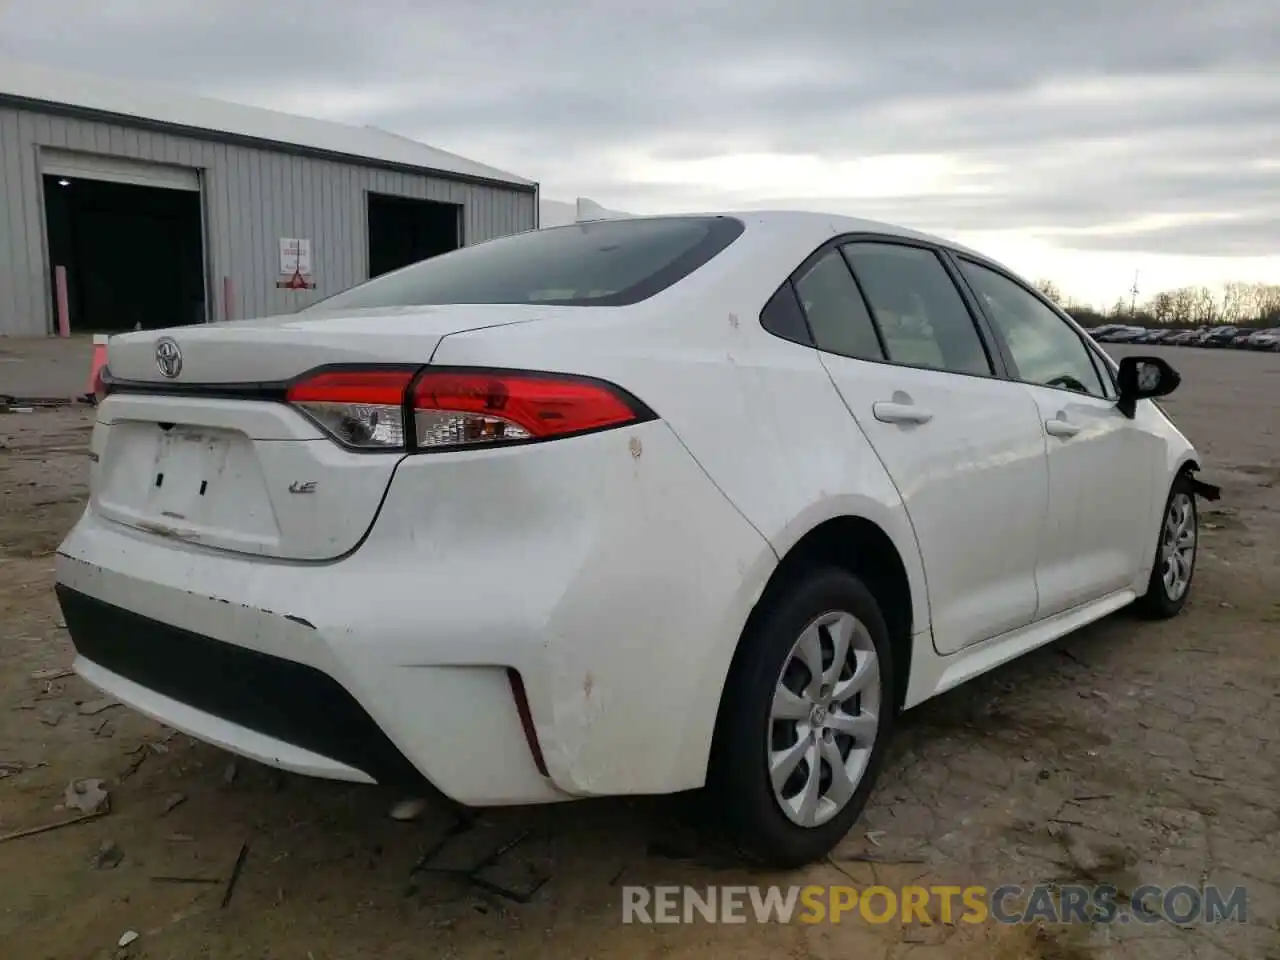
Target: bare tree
1237	303
1051	291
1204	306
1161	307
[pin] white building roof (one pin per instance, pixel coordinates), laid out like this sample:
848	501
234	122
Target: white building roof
157	103
557	213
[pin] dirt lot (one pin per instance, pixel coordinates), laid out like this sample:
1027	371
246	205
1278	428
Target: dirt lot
1128	753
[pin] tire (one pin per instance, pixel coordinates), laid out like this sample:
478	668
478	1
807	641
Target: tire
741	788
1162	601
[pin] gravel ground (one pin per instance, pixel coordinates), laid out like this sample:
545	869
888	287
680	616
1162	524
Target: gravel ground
1130	752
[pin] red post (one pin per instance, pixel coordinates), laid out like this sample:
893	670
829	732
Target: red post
64	308
227	293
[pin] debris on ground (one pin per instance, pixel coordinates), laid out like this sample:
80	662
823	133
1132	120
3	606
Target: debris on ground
108	856
174	800
127	938
235	874
52	673
91	708
137	760
46	828
474	874
87	796
410	809
229	774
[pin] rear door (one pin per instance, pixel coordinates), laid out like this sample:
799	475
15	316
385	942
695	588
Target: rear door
963	446
1102	466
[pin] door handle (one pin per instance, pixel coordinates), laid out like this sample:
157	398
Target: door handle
886	411
1058	427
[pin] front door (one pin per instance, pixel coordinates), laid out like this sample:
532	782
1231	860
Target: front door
1094	535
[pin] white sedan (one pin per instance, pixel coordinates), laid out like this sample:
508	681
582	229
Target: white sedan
624	507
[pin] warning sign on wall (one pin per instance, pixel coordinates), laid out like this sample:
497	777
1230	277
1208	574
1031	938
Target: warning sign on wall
295	264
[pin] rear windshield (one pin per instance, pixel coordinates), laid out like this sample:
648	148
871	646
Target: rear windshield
606	263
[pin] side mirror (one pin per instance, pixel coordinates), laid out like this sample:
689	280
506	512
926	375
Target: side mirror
1144	378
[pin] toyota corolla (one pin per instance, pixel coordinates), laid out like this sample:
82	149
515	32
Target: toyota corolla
623	507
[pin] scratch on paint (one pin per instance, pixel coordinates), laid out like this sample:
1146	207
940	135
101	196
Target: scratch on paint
163	531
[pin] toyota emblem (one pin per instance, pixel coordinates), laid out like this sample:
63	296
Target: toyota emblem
168	357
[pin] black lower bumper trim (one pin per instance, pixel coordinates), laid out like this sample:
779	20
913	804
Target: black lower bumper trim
279	698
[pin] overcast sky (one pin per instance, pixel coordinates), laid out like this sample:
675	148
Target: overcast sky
1083	139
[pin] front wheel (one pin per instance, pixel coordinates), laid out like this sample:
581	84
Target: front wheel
807	711
1175	560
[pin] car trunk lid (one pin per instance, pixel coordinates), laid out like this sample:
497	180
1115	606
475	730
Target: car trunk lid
212	456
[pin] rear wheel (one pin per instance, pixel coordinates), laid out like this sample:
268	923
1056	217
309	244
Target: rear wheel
807	712
1175	561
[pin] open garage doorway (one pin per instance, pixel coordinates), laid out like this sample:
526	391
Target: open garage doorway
134	253
403	230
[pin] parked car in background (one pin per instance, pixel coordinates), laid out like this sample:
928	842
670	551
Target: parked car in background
1101	331
1184	338
1220	336
623	507
1124	334
1241	339
1263	340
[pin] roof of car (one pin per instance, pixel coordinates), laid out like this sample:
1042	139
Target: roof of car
819	225
160	104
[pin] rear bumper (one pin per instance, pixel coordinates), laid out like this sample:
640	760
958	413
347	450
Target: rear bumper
606	570
320	700
279	711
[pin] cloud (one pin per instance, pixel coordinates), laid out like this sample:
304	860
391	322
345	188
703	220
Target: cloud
1226	236
1065	125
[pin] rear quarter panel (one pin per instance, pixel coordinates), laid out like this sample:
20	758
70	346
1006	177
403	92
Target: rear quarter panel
759	414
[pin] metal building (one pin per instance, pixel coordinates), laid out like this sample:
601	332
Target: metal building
124	205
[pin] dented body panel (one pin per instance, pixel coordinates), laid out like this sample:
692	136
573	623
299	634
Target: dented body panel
542	559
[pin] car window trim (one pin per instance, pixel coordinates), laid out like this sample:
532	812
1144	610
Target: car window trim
1105	374
789	286
1107	383
997	361
866	303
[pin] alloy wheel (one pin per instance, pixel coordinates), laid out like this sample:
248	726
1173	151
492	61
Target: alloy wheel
1178	545
824	718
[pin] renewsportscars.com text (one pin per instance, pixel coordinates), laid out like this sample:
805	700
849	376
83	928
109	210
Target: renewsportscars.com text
1009	904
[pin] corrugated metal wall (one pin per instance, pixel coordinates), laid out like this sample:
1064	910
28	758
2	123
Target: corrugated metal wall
252	197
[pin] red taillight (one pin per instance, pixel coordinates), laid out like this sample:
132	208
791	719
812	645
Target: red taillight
466	407
364	408
373	386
